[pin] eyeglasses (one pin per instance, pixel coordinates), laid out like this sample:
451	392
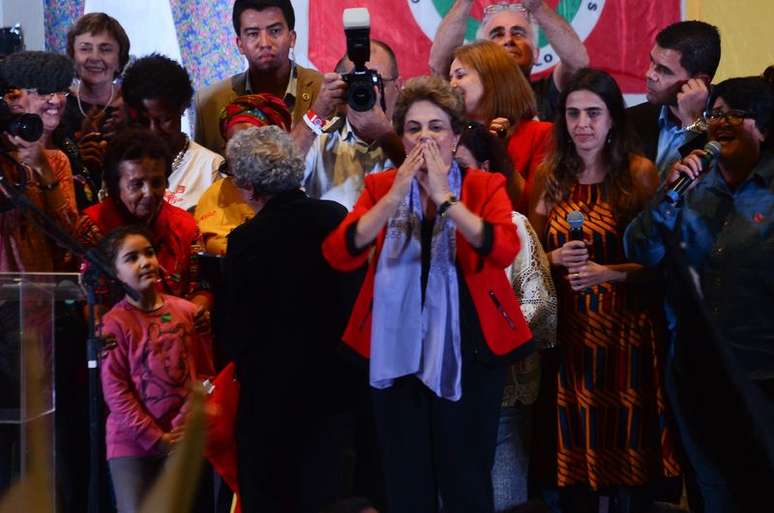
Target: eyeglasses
733	117
47	96
491	9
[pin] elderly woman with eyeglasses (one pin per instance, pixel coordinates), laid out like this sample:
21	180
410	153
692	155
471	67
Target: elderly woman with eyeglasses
38	83
721	375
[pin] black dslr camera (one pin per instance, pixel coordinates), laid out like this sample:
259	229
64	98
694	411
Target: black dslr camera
27	126
361	81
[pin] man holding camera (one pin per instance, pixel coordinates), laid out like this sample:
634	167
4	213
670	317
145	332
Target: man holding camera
362	141
266	36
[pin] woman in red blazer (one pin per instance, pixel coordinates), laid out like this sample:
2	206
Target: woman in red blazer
436	315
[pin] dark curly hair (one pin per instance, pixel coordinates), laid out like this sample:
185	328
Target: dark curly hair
241	6
97	23
563	165
131	144
47	72
111	245
156	77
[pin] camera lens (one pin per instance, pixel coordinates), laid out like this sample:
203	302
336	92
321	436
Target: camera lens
27	126
360	96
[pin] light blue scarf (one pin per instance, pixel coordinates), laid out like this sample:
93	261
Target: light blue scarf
408	338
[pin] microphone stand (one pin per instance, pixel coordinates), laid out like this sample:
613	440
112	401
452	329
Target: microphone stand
94	342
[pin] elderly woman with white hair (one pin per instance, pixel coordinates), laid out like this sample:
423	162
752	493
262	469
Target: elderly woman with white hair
287	309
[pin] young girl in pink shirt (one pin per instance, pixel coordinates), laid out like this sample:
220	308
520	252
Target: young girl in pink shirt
146	376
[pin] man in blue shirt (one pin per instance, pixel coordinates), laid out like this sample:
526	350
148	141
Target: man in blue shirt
682	63
723	229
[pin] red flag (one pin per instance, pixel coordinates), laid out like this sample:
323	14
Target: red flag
618	34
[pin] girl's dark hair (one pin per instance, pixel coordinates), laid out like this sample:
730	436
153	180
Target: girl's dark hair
131	144
111	245
563	165
484	145
97	23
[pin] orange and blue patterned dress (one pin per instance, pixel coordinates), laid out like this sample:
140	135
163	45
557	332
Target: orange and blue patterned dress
612	426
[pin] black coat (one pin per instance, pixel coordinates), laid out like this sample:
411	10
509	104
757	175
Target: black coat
287	308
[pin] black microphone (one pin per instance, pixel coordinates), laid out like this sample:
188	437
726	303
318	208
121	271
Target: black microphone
712	151
575	220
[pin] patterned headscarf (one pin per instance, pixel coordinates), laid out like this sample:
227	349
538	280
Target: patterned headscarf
256	109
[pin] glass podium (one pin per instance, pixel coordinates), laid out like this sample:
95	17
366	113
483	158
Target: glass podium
28	309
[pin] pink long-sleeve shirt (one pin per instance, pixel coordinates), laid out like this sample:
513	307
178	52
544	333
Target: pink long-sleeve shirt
146	377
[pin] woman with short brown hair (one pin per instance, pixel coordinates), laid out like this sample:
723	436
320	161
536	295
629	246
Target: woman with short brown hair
436	315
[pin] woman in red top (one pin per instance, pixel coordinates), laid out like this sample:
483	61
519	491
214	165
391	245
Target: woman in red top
136	167
498	95
435	308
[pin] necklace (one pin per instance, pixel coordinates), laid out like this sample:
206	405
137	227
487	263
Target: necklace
78	98
179	157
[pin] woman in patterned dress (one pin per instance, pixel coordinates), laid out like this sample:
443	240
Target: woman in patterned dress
603	412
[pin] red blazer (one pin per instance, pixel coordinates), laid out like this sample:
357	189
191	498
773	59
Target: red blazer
527	147
502	322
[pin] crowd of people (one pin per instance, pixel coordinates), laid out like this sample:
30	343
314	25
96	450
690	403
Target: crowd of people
479	295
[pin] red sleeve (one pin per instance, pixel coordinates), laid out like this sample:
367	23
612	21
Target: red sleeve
534	148
335	247
497	212
119	390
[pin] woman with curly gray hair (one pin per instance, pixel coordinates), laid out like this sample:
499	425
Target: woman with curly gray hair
264	162
287	309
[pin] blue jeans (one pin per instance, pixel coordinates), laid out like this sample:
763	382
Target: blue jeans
509	473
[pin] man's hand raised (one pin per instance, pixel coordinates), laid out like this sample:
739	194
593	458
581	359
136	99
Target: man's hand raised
691	100
332	95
